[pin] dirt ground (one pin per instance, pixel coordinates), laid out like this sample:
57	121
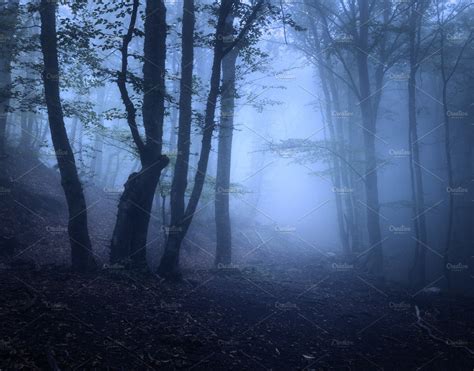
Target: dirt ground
254	318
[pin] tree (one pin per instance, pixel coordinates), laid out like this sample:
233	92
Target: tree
332	104
134	209
180	178
81	251
169	264
415	11
354	21
8	18
224	152
448	70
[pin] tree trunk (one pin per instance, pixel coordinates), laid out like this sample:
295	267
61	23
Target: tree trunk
224	153
180	178
169	265
449	170
81	252
129	238
115	172
329	98
75	121
368	111
419	267
8	18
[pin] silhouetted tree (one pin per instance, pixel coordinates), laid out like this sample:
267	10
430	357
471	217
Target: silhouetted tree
81	252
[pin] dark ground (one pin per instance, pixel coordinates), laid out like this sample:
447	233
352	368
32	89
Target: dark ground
307	319
275	311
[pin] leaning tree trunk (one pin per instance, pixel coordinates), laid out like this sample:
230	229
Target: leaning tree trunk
224	153
81	252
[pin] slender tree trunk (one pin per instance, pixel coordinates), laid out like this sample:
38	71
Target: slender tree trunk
224	153
24	135
367	106
446	77
354	186
8	19
169	265
449	170
96	162
330	98
352	234
419	268
75	121
115	172
180	178
81	252
108	170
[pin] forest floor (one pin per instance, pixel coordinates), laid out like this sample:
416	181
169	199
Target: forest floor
255	318
283	307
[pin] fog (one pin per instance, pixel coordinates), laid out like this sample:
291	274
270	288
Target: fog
291	145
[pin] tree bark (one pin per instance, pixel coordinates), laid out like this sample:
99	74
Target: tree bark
419	267
128	245
224	154
81	252
330	97
180	178
8	19
368	111
169	265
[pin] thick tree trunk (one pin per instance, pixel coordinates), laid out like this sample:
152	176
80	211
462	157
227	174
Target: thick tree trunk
224	153
81	253
128	245
131	228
